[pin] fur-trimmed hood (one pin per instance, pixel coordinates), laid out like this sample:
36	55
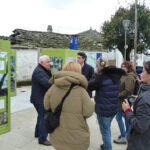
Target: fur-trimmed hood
113	70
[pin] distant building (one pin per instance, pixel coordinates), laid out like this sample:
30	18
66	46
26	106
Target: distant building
49	28
89	40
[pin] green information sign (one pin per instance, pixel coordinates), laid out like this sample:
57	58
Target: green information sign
59	57
4	86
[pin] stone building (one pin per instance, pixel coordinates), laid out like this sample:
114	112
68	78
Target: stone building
28	44
89	40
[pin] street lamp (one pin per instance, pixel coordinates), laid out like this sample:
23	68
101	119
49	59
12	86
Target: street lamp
125	25
135	38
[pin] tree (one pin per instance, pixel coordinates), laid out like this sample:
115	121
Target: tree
113	33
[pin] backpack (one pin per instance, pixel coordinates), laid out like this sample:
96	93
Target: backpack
136	87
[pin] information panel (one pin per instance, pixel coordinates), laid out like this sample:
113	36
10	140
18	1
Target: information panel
4	87
59	57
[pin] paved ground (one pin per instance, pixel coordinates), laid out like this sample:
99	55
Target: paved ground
23	120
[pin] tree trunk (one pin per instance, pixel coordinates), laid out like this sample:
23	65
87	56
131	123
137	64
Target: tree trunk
128	54
128	51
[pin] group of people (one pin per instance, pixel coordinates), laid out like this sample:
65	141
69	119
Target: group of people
112	85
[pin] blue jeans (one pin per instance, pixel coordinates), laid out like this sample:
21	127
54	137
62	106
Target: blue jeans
119	116
40	130
105	124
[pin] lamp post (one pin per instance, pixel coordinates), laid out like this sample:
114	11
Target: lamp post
125	25
135	38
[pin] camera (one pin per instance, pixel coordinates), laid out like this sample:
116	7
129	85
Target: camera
131	100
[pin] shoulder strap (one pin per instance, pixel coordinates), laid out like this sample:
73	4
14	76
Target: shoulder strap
72	85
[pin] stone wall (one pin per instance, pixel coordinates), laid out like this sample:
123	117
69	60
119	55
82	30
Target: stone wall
88	40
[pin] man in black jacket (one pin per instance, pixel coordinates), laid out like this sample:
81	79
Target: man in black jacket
87	70
40	85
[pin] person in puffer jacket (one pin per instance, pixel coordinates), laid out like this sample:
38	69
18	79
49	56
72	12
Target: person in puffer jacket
139	119
73	131
106	82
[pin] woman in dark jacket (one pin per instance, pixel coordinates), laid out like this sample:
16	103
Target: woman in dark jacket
106	83
139	118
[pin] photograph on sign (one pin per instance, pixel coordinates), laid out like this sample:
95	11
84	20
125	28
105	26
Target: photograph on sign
56	63
12	64
3	84
3	113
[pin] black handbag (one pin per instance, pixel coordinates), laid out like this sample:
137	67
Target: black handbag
51	119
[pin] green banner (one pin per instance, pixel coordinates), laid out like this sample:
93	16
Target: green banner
4	86
58	57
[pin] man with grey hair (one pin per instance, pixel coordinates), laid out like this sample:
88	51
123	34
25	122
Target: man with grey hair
40	85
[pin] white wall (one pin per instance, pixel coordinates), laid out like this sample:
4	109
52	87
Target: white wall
119	58
26	62
113	55
109	55
146	57
140	58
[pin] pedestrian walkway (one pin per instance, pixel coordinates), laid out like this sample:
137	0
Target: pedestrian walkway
22	100
23	119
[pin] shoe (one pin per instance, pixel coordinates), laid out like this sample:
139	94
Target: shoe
121	140
36	136
46	143
102	147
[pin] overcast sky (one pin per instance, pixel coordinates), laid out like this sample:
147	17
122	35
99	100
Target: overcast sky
65	16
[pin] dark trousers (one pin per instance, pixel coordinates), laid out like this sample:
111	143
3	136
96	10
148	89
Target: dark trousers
40	130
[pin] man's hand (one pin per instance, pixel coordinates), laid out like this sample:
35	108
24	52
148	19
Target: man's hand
125	105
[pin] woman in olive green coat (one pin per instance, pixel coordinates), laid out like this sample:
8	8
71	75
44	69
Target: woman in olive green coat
126	89
73	132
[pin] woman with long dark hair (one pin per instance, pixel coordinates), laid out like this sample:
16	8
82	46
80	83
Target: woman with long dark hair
126	89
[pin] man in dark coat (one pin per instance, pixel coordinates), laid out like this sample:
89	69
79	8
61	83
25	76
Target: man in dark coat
40	85
87	70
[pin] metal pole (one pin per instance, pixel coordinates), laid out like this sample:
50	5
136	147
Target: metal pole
135	38
125	47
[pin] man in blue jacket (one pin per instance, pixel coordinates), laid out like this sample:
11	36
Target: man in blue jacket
87	70
40	84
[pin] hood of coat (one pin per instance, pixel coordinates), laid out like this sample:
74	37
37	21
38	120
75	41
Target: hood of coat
113	70
63	79
145	87
132	74
144	91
